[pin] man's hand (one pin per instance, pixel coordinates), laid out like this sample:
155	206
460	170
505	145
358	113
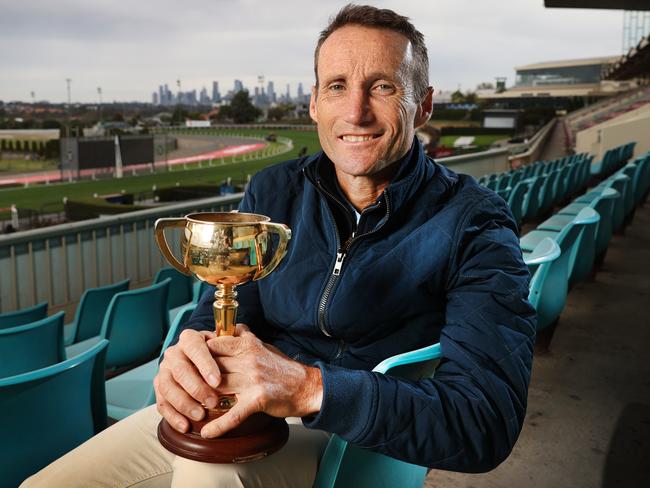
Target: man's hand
263	379
186	378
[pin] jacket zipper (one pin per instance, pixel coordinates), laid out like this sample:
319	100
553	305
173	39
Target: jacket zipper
338	265
336	271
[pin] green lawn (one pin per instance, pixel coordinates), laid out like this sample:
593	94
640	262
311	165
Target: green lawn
24	166
49	197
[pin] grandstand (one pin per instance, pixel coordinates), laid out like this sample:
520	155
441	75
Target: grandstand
579	193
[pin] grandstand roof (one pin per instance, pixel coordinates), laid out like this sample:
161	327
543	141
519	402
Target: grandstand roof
607	4
635	64
560	91
569	63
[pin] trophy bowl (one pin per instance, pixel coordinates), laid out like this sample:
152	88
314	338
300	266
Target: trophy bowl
225	249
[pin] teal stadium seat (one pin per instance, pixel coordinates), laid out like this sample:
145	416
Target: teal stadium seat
50	411
31	346
551	305
135	324
180	286
532	200
343	465
539	264
133	390
90	312
603	203
516	201
584	253
23	316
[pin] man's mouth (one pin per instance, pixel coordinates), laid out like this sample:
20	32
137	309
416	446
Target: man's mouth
358	137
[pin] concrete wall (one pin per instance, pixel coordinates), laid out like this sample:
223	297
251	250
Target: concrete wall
631	126
478	164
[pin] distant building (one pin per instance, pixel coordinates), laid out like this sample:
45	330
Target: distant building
301	94
270	92
204	99
239	86
154	98
216	96
582	78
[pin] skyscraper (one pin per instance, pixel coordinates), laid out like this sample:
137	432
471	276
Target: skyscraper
216	96
204	99
270	92
301	94
288	95
239	86
154	98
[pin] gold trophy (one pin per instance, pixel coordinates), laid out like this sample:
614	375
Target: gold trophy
225	250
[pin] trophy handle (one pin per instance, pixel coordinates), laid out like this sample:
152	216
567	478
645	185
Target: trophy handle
284	233
159	228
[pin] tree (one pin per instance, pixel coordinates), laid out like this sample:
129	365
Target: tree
280	112
179	115
242	110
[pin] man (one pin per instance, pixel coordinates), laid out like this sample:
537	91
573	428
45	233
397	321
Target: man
390	252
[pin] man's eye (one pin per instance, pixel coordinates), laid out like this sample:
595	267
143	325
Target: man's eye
336	87
384	88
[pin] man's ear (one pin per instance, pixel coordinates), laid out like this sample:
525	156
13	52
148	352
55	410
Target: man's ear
313	113
425	108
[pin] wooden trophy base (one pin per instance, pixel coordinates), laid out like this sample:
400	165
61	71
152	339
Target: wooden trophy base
259	436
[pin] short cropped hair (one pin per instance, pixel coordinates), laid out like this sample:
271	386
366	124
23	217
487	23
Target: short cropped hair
368	16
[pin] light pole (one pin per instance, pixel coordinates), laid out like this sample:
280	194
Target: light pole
99	95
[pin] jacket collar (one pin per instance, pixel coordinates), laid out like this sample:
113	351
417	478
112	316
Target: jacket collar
414	170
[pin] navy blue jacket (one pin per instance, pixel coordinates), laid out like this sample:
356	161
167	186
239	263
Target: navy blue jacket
440	262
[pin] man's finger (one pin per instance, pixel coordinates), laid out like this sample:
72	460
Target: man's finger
187	377
225	346
193	344
175	419
228	421
241	329
177	397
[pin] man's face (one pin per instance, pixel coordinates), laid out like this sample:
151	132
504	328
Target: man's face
364	103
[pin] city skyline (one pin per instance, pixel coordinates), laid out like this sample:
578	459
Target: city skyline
128	53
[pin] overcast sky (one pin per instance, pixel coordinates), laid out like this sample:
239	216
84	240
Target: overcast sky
129	48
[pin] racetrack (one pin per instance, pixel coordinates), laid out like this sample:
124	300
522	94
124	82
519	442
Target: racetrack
191	149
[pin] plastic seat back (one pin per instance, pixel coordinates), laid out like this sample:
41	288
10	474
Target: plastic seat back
31	346
546	193
584	252
631	170
604	205
620	183
560	188
92	307
516	200
343	465
23	316
135	324
180	286
539	263
532	201
50	411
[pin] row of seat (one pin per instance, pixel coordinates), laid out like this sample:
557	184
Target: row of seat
533	190
40	365
564	249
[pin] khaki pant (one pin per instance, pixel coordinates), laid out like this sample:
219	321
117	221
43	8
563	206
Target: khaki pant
129	454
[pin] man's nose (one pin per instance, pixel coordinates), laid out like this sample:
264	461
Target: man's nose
357	110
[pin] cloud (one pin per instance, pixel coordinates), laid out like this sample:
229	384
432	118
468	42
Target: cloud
129	48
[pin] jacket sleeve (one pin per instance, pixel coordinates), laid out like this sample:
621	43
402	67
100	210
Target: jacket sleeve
469	415
249	311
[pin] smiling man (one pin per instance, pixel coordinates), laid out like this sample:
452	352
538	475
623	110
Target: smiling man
390	252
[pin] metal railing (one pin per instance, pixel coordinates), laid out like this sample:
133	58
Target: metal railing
56	264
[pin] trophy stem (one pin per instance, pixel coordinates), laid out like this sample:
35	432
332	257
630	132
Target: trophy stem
225	309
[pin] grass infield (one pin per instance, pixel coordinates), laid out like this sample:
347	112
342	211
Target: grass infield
49	198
